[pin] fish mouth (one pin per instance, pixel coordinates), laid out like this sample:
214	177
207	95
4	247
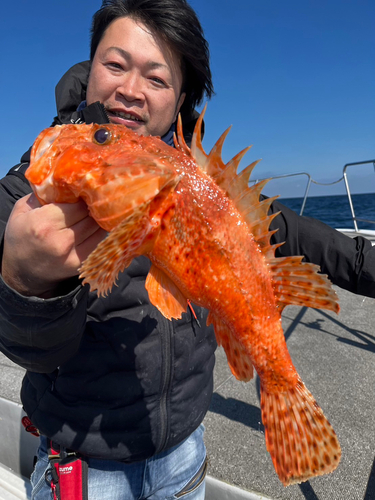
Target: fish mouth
44	142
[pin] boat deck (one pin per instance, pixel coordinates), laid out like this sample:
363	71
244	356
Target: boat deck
335	358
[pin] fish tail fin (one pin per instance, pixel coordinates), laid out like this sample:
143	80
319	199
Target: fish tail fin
299	438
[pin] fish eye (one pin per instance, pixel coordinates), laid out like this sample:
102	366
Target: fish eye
102	136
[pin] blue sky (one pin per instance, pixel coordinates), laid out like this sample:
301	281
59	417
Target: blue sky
293	78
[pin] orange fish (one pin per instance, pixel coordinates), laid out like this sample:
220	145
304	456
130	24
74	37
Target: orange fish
207	236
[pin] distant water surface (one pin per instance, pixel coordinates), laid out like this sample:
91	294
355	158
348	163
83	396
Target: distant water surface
335	210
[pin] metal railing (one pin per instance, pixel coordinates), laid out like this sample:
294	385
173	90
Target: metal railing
344	178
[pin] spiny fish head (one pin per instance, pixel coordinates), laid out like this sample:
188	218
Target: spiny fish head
111	167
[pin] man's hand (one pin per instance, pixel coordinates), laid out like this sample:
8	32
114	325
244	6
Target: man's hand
44	245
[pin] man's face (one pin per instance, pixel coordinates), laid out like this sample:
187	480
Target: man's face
137	77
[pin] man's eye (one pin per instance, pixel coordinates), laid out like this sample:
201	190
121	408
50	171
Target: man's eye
114	65
158	81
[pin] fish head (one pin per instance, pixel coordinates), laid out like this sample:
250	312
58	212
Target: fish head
113	169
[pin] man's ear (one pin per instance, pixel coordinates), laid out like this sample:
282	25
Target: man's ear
179	104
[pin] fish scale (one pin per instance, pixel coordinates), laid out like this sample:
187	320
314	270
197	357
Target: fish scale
207	236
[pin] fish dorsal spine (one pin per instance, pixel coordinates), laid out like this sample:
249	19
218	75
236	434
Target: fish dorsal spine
236	186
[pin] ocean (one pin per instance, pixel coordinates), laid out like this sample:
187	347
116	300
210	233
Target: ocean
335	210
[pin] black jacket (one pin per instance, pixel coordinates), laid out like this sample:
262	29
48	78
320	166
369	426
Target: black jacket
113	378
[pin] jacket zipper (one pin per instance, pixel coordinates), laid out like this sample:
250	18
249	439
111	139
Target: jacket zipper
167	364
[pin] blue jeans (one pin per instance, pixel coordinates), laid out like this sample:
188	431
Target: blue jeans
165	476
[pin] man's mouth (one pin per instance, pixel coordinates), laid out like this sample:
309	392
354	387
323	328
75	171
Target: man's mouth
125	116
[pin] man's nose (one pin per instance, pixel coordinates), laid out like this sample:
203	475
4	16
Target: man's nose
131	87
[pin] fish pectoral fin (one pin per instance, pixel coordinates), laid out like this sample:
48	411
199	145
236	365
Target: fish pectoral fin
238	359
299	283
299	438
164	294
132	237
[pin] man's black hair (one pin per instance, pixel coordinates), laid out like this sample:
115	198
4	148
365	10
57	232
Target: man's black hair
178	25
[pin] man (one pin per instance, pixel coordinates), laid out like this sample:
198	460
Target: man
112	380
